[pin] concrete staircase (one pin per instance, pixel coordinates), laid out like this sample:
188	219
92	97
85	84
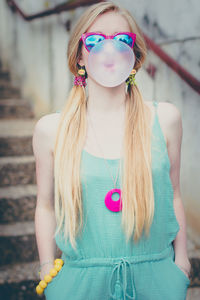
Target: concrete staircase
18	251
19	261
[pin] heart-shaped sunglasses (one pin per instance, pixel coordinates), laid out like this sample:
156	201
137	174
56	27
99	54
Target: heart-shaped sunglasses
90	39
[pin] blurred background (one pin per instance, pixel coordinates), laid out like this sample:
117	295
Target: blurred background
35	80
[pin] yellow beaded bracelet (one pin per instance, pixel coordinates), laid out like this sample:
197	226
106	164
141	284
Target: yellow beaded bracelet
58	263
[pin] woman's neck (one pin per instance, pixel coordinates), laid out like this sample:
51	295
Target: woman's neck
105	100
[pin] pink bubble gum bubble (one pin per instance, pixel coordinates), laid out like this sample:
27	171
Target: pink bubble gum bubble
110	62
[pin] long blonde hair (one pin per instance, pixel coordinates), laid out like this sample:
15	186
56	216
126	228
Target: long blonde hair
137	190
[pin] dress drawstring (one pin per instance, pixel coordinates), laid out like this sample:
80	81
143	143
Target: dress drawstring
117	263
122	263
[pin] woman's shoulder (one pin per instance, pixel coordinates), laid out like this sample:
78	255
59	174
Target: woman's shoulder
166	110
160	103
169	117
47	122
46	127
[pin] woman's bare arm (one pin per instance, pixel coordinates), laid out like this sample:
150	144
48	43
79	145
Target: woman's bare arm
44	213
174	134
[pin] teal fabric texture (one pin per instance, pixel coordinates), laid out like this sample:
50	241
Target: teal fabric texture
105	266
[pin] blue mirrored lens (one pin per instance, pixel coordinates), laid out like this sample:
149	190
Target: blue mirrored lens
124	38
92	40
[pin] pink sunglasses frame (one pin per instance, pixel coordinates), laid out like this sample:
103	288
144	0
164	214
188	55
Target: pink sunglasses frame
86	34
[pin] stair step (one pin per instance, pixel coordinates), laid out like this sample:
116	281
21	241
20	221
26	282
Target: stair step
17	128
5	84
12	109
18	282
16	146
17	229
10	92
193	293
18	243
21	271
15	170
4	81
17	203
11	98
4	75
16	137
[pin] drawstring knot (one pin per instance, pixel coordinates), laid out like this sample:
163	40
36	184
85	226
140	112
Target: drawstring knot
122	263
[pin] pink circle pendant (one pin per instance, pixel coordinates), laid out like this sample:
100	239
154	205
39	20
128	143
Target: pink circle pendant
110	203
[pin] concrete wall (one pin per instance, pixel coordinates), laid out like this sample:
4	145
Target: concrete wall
35	52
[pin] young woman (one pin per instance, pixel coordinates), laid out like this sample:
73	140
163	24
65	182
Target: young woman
107	171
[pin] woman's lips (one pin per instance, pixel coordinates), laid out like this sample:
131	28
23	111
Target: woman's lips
109	66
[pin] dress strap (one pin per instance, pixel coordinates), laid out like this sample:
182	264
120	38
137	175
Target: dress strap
155	104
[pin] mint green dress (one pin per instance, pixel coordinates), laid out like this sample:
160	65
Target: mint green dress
104	267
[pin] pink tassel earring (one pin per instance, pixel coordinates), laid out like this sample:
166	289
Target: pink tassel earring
80	80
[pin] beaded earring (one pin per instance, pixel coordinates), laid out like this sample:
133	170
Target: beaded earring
80	80
131	78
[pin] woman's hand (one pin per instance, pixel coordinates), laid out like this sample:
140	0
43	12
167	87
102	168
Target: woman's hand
45	270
